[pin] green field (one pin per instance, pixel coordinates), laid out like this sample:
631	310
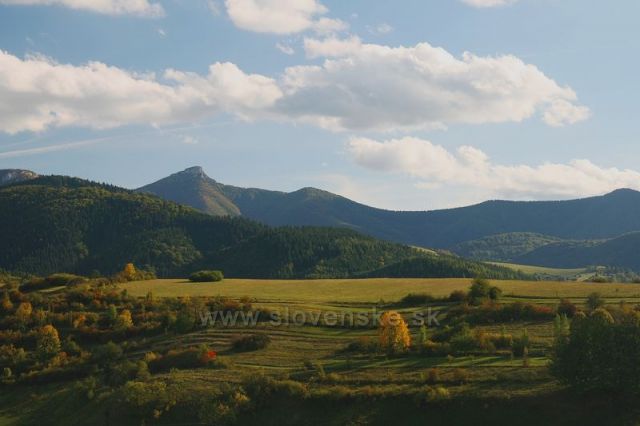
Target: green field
576	273
342	387
371	290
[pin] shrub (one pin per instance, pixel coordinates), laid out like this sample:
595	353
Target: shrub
566	307
54	280
599	356
595	301
416	299
457	296
185	359
431	348
206	276
481	290
250	342
364	345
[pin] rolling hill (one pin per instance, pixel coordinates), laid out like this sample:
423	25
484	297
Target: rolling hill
619	252
61	224
598	217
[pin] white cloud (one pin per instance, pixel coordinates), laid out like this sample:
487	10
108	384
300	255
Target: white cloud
285	48
488	3
357	87
375	87
380	29
282	16
331	46
37	93
161	32
468	167
109	7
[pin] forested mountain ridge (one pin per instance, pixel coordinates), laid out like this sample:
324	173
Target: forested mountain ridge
598	217
53	224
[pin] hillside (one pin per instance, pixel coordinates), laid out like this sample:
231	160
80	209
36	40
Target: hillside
599	217
53	224
619	252
502	247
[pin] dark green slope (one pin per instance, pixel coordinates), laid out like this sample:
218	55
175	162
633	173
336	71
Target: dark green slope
443	266
53	224
503	247
622	251
589	218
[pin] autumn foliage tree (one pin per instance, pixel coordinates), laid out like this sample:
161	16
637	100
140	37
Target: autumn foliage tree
47	342
129	272
124	321
393	333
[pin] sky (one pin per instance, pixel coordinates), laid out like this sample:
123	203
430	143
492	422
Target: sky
404	105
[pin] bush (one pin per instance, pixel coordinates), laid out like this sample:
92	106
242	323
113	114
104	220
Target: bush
206	276
595	301
481	290
363	345
416	299
251	342
54	280
567	308
431	348
185	359
599	356
457	296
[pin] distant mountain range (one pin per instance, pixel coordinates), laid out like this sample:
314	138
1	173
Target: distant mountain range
563	234
523	232
62	224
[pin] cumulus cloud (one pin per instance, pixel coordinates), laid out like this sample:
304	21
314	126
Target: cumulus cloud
282	16
488	3
357	86
109	7
376	87
285	48
36	93
433	165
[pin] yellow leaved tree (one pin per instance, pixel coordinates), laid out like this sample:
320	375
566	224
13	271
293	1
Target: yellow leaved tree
393	333
129	272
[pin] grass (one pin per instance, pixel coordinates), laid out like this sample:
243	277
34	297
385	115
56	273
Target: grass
543	270
294	348
350	291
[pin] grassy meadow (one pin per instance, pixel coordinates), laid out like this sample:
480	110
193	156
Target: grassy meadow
373	290
324	374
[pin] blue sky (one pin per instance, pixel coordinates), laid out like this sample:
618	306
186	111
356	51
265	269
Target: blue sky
350	96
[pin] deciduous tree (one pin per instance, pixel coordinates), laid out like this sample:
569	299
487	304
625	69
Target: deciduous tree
394	333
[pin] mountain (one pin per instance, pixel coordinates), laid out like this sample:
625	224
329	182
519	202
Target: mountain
194	188
61	224
10	176
619	252
598	217
503	247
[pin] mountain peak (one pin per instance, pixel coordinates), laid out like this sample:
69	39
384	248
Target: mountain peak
623	191
195	171
9	176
